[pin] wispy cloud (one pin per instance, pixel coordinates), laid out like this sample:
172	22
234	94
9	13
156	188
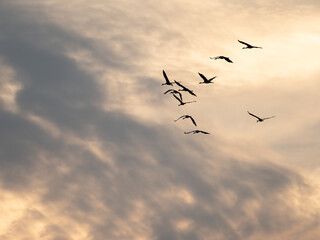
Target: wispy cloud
81	157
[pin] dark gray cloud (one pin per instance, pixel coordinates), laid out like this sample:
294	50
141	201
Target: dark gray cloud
150	177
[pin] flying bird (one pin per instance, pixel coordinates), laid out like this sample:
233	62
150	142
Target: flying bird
196	131
172	91
259	119
183	88
181	102
166	78
205	80
222	57
248	46
187	116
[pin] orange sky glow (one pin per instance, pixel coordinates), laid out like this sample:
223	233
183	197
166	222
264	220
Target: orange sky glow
89	146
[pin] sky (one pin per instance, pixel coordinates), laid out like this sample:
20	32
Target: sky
89	147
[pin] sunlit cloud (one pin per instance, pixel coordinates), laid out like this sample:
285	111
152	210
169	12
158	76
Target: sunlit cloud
89	146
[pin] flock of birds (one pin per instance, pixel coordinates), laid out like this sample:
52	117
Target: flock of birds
178	96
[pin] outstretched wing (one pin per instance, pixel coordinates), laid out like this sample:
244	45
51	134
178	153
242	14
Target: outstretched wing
166	77
228	59
268	118
212	78
190	102
177	98
203	77
179	84
203	132
180	95
179	118
188	132
222	57
191	92
247	44
169	91
185	88
254	115
193	121
172	91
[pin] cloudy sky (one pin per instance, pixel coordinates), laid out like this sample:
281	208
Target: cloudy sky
89	147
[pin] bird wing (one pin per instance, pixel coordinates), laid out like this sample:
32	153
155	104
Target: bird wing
165	76
170	90
193	121
173	91
212	78
254	115
190	102
204	132
268	118
247	44
177	98
185	88
228	60
179	84
180	95
203	77
179	118
191	92
188	132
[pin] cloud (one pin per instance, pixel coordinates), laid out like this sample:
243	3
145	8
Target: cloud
82	171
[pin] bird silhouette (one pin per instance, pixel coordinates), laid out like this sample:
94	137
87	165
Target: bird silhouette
187	116
248	46
166	78
183	88
222	57
172	91
259	119
181	102
205	80
196	131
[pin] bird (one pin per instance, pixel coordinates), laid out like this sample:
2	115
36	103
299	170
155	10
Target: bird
181	102
259	119
187	116
184	88
196	131
248	46
205	80
222	57
172	91
166	78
